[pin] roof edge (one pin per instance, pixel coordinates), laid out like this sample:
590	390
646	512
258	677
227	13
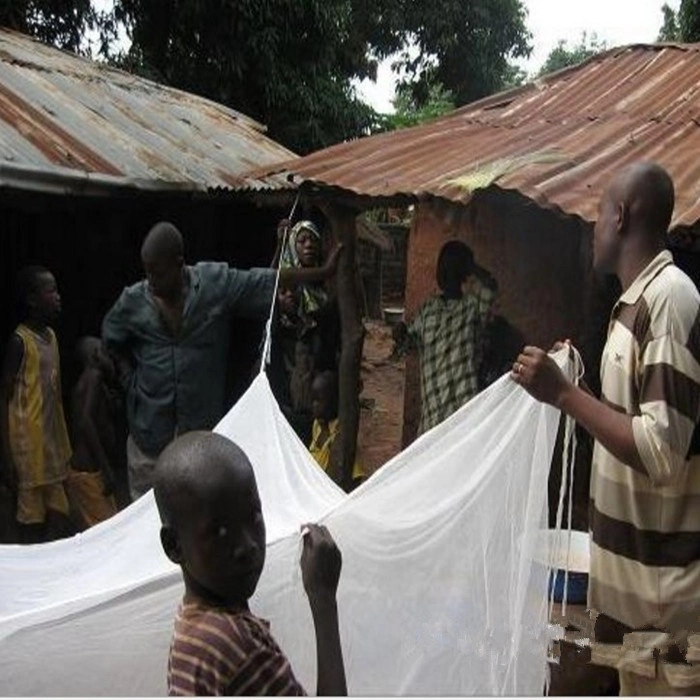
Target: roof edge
104	67
510	93
60	180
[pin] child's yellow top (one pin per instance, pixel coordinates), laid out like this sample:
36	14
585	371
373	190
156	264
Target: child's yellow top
37	427
321	452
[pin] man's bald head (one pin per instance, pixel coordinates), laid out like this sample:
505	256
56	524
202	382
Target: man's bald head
193	467
633	217
162	255
163	242
647	191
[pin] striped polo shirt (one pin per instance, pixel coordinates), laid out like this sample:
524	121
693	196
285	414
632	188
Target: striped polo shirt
217	651
645	524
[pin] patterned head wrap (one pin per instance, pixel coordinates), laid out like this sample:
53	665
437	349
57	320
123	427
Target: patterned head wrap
312	296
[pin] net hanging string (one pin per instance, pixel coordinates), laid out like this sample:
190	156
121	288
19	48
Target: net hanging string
267	337
567	485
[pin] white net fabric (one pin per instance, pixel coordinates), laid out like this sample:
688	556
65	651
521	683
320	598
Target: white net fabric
439	593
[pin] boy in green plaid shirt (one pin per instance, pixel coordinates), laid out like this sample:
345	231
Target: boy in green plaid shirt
448	332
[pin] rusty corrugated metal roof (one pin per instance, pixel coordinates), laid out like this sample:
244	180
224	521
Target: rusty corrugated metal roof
556	140
70	124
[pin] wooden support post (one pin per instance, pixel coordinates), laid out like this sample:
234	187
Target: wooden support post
352	333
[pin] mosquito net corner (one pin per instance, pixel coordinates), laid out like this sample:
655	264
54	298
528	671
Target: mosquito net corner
440	593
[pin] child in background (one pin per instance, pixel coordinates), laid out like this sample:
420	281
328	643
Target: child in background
213	528
90	483
301	378
324	404
36	447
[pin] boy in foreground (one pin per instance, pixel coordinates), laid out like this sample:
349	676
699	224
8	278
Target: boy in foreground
212	526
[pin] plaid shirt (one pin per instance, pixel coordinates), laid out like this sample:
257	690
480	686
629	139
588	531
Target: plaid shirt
447	333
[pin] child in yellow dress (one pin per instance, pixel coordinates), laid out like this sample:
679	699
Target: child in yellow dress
326	426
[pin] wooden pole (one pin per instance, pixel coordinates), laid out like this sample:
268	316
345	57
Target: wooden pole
352	333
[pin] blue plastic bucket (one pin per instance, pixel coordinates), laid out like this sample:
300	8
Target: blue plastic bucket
576	590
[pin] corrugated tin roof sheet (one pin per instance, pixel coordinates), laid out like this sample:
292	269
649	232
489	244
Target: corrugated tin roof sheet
556	140
67	123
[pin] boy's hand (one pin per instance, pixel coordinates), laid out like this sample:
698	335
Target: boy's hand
321	562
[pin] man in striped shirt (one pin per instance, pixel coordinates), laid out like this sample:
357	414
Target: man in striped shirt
645	482
212	526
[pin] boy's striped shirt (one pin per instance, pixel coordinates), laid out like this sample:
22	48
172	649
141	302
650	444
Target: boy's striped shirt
216	651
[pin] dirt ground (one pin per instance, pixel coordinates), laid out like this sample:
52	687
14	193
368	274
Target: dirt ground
381	415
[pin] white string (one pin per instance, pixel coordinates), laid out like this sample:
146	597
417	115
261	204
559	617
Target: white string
577	371
568	429
267	338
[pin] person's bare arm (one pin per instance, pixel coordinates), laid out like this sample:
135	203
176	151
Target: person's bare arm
485	277
541	377
321	562
282	229
294	276
13	361
117	336
89	430
124	368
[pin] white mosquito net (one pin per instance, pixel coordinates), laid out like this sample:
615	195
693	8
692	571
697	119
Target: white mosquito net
439	592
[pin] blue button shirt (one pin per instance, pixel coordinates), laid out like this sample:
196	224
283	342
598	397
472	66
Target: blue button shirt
178	382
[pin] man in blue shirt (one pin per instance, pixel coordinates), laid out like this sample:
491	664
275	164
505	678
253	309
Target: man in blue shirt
170	334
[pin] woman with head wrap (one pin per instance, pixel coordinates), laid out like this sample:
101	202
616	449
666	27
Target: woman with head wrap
310	316
303	249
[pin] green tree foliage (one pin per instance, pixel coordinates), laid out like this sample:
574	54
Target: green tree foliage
513	76
669	29
463	46
291	63
287	63
62	23
683	25
689	20
563	55
409	113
